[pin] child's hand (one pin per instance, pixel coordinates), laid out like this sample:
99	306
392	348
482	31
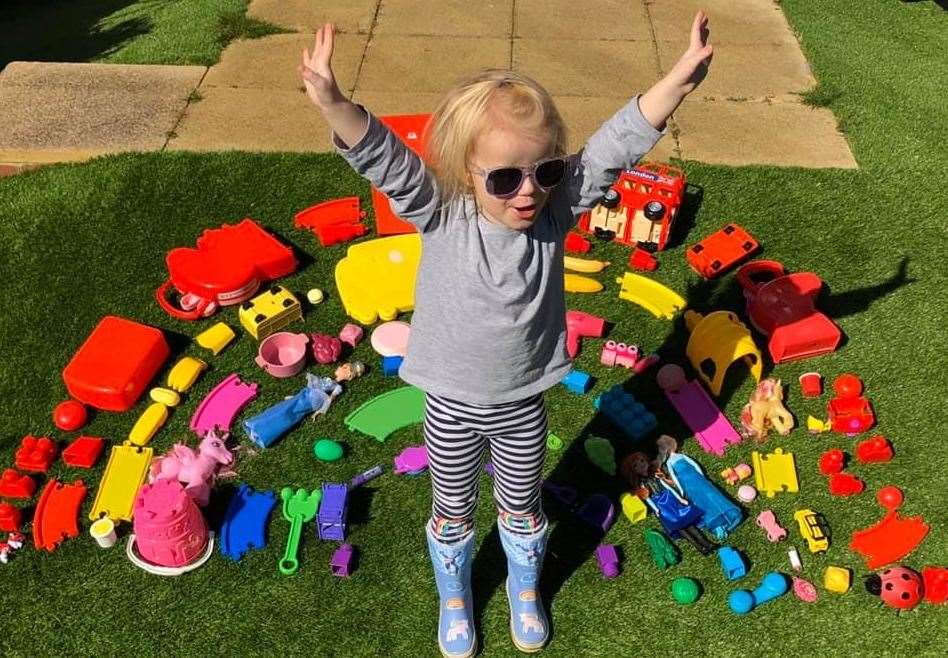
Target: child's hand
692	67
316	70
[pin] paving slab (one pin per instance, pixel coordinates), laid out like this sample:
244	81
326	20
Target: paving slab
251	120
584	114
307	15
487	18
382	103
593	68
771	133
427	64
61	112
732	21
586	19
270	62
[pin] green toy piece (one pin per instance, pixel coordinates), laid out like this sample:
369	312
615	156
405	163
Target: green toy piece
685	590
553	442
298	508
600	453
664	553
388	412
327	450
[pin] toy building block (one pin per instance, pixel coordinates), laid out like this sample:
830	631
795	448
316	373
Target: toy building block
578	382
215	338
732	563
618	354
845	484
35	454
832	461
56	515
10	517
813	530
892	538
734	475
811	385
351	334
608	559
576	244
581	325
721	251
391	364
342	561
771	587
633	507
331	523
663	551
936	584
598	512
83	452
775	472
270	312
245	522
876	450
185	373
16	485
627	414
837	579
642	260
711	428
768	521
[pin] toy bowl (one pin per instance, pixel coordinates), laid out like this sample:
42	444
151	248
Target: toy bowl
283	354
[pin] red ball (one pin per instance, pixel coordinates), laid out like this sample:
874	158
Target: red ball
848	386
70	415
890	497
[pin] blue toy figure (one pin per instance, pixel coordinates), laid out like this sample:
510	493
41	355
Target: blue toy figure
270	424
720	514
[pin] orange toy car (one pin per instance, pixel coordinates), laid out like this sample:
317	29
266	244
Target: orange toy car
721	251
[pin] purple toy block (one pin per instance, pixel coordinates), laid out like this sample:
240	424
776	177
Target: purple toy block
331	522
608	559
711	428
598	511
563	493
340	564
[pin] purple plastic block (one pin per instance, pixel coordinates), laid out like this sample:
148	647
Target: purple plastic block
711	428
608	559
331	522
413	460
340	564
598	511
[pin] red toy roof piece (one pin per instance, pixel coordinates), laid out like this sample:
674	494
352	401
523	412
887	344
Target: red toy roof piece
333	221
16	485
35	454
936	584
890	540
55	518
9	517
876	450
844	484
83	452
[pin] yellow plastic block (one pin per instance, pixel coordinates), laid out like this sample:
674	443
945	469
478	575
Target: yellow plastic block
816	426
148	423
270	312
376	279
774	472
837	579
633	507
124	474
215	338
717	340
165	396
659	300
186	371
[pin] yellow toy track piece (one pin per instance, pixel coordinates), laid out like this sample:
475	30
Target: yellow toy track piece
774	472
585	265
186	371
577	283
148	424
717	340
376	279
124	474
215	338
659	300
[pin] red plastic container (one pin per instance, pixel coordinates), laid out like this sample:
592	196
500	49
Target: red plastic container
114	365
411	129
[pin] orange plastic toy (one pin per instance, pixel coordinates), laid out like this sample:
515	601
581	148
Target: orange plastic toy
721	251
411	129
335	221
892	538
56	516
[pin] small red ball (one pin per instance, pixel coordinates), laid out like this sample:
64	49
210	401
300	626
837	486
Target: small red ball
848	386
890	497
70	415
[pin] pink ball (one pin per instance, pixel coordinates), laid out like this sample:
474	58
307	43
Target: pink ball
746	493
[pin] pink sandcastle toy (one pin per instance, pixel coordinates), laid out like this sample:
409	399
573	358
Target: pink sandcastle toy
712	429
221	406
195	469
282	354
169	528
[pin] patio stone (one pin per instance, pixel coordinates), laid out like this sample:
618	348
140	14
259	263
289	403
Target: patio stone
560	20
484	18
732	21
584	114
307	15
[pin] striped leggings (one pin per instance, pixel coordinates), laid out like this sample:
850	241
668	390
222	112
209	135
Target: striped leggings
456	436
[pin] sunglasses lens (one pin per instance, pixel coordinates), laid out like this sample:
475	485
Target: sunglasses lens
505	181
550	173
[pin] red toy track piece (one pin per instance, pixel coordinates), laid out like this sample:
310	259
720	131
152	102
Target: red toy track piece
832	461
333	221
576	244
876	450
16	485
721	251
35	454
642	260
893	537
844	484
70	415
9	517
936	584
55	518
83	452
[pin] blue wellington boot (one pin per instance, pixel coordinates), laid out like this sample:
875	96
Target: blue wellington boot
529	627
452	569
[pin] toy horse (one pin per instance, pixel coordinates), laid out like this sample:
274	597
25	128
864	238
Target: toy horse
765	411
196	470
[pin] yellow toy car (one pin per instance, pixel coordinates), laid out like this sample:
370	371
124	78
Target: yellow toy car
812	529
269	312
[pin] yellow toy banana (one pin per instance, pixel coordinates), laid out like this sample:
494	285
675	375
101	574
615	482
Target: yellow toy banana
577	283
584	264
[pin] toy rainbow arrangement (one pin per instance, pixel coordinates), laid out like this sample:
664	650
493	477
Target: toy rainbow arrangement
162	496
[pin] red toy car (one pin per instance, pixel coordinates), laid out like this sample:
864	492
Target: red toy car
640	208
721	251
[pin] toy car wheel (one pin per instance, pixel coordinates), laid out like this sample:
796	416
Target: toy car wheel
611	199
604	234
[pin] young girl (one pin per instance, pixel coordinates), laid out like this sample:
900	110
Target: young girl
488	331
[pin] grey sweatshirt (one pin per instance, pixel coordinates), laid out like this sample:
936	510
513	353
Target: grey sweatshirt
489	325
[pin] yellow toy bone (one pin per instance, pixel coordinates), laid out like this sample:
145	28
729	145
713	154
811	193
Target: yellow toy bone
765	411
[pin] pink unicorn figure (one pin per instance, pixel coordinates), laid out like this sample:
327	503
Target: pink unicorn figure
195	470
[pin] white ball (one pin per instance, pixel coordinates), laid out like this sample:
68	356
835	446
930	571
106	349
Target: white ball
746	493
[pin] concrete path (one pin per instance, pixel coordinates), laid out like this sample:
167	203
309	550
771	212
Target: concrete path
398	56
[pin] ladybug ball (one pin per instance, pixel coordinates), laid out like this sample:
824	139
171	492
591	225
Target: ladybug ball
899	587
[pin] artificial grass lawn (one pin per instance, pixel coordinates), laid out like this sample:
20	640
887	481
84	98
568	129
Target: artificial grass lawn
82	241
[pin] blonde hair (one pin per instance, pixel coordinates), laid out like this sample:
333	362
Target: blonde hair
488	98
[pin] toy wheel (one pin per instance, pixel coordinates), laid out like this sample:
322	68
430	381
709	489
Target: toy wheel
611	199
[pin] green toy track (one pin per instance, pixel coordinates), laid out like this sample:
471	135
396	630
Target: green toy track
388	412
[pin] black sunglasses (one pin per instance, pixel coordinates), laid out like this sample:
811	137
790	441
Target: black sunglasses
505	182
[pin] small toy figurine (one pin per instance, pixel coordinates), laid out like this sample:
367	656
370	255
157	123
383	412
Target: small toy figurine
765	411
734	475
15	540
326	349
349	371
196	470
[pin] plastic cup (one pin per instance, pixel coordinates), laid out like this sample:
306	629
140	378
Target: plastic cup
103	531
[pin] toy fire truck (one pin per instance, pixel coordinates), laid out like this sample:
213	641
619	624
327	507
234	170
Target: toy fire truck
640	208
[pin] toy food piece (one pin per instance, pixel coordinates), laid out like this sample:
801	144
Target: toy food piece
214	339
837	579
876	450
732	563
327	450
578	382
734	475
579	283
812	528
282	354
633	507
391	338
185	372
581	325
315	296
721	251
663	552
765	411
16	485
892	538
219	408
849	412
245	522
804	590
165	396
299	507
626	413
83	452
270	312
816	426
124	474
70	415
103	532
388	412
746	493
326	349
35	454
711	428
899	587
55	518
576	244
772	586
148	424
718	340
659	300
685	591
586	265
811	384
600	452
553	442
775	472
351	334
768	521
334	221
376	279
342	561
116	362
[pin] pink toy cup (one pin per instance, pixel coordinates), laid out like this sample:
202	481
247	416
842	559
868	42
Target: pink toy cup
169	528
283	354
